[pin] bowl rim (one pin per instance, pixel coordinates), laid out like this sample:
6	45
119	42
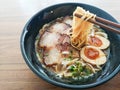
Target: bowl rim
22	47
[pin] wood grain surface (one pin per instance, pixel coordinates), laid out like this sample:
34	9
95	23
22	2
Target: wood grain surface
14	73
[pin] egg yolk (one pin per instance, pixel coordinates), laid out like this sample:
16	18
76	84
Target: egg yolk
91	53
95	41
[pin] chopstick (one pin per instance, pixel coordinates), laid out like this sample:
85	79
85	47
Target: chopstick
106	24
105	21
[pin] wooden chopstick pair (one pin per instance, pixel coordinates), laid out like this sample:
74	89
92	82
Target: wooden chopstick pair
106	24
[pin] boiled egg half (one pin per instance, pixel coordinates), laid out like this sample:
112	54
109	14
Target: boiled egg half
98	41
93	55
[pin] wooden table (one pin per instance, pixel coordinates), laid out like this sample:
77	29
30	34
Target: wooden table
14	73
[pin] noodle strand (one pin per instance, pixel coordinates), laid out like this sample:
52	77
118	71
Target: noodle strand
81	27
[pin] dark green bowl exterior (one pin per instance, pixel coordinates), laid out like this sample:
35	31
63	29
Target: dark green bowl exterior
33	26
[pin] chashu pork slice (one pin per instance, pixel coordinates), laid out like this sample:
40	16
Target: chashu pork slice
49	39
65	47
52	57
59	27
68	20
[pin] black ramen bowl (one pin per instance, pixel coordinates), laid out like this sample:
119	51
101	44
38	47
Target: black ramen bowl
48	14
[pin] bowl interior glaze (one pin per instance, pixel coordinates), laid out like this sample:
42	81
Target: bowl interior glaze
46	15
